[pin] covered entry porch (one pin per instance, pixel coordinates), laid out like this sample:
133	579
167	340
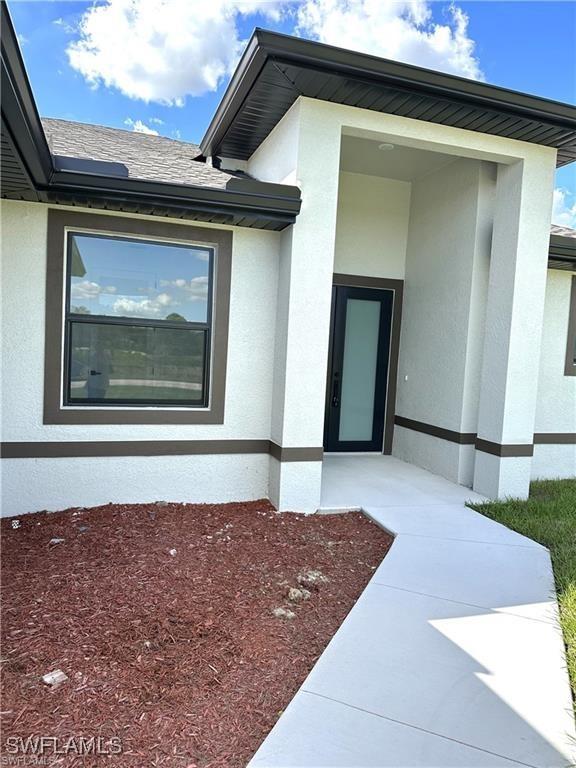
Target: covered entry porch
452	228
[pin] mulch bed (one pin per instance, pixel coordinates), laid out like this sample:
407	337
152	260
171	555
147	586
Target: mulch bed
178	654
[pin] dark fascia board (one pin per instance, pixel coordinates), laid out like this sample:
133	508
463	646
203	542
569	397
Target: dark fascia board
562	253
79	179
264	45
563	247
240	85
261	201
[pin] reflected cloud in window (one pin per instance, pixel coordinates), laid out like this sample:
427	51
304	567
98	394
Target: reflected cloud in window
136	278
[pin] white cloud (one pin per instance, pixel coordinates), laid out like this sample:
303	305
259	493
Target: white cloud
164	50
87	289
564	211
395	29
139	127
143	307
195	289
70	29
161	50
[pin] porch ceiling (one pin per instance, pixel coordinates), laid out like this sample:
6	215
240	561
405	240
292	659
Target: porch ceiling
363	156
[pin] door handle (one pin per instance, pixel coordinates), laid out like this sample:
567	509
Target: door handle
336	390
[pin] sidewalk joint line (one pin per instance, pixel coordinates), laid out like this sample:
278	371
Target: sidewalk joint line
420	728
461	602
471	541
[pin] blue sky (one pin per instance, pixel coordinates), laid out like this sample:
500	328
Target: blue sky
137	74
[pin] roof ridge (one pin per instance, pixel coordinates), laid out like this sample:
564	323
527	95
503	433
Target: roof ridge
44	118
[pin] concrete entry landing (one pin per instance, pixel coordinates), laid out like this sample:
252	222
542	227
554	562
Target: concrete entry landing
452	656
383	481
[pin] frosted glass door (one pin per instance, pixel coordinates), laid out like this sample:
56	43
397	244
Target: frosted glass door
359	369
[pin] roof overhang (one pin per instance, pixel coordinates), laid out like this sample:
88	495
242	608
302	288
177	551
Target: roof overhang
562	253
276	69
31	172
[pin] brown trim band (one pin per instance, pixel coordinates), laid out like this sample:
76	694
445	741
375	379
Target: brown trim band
295	454
555	438
504	451
487	446
102	448
54	413
386	284
462	438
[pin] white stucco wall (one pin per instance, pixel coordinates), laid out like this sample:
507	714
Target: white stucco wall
514	321
442	324
556	405
279	319
250	343
248	404
372	226
29	485
276	159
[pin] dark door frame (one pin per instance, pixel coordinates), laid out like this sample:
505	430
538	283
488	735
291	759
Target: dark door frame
397	286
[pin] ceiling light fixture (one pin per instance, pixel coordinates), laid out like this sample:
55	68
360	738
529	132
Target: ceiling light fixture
385	147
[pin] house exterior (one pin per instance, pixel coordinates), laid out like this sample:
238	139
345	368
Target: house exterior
357	258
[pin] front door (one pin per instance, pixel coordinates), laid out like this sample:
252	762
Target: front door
358	368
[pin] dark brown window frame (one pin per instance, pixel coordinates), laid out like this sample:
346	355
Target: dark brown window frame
570	366
59	222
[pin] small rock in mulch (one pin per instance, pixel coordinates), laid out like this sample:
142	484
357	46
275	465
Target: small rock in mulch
296	595
284	613
56	540
83	528
15	523
57	677
312	578
161	503
172	552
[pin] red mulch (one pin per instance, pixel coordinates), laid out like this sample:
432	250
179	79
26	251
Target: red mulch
179	655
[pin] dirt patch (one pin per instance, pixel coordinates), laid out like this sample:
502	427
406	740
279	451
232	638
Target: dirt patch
163	618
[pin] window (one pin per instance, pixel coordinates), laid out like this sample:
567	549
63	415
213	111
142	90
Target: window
137	314
137	321
570	369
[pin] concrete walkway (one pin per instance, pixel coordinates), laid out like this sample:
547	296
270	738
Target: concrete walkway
452	656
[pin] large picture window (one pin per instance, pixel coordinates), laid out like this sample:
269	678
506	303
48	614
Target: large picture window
137	315
137	321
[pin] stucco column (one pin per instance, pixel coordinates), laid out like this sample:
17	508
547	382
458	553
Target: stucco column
303	321
514	315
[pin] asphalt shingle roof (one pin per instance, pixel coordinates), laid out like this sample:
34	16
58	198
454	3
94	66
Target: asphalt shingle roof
153	158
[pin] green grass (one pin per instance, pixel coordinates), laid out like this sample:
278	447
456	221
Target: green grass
549	517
